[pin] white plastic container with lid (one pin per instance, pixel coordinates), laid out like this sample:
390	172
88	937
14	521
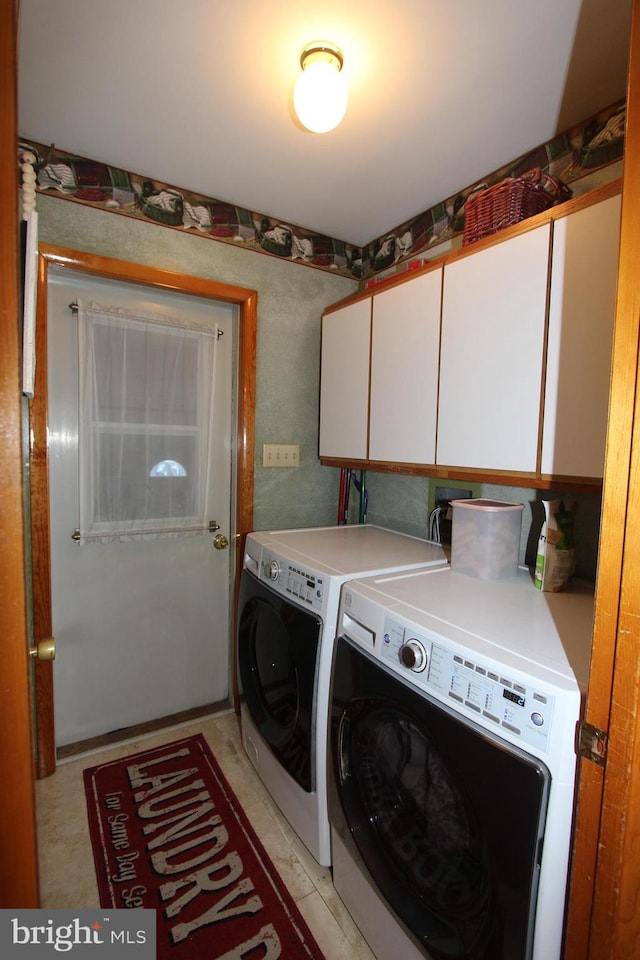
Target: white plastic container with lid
485	538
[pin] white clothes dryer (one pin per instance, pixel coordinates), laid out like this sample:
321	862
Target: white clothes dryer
288	606
453	712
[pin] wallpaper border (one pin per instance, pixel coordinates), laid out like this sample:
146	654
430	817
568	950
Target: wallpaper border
571	157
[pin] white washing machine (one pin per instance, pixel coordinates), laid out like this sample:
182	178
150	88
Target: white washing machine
453	712
288	606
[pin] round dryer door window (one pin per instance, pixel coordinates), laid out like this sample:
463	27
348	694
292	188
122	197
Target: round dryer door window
277	650
418	812
420	828
274	673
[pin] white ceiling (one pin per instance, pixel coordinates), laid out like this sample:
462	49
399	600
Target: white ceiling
197	94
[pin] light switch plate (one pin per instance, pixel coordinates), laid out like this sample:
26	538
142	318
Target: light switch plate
281	455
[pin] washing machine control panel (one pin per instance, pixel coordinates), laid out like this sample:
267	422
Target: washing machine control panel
495	698
307	587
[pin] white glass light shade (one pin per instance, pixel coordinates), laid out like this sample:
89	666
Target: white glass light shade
320	94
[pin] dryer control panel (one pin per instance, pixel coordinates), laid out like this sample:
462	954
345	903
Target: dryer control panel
305	586
500	701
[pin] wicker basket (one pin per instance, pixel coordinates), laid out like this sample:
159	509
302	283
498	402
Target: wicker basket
509	202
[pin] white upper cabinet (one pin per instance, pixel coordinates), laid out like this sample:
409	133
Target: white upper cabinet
496	360
584	277
344	381
492	352
404	371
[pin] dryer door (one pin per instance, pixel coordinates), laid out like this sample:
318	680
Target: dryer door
278	646
447	820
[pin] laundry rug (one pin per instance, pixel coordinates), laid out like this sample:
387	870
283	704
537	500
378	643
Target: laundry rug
169	833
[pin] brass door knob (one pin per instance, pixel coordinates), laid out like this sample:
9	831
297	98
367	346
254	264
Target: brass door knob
44	649
220	542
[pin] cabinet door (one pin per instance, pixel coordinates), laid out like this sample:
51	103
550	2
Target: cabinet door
404	371
493	334
344	381
584	273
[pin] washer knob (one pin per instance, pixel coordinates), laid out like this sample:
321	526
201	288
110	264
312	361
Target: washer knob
272	570
413	655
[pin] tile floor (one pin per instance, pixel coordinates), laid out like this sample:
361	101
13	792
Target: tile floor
67	876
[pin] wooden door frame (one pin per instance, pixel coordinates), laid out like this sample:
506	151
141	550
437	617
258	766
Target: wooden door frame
604	921
246	300
18	848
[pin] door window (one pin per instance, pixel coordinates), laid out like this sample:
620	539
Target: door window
145	422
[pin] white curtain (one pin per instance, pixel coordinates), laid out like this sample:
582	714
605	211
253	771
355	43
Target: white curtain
145	414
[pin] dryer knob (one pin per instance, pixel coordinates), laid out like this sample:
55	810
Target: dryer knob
272	570
413	655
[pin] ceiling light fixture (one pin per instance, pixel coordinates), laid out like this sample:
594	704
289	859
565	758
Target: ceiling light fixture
320	94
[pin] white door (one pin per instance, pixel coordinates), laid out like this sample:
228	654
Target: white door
142	627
